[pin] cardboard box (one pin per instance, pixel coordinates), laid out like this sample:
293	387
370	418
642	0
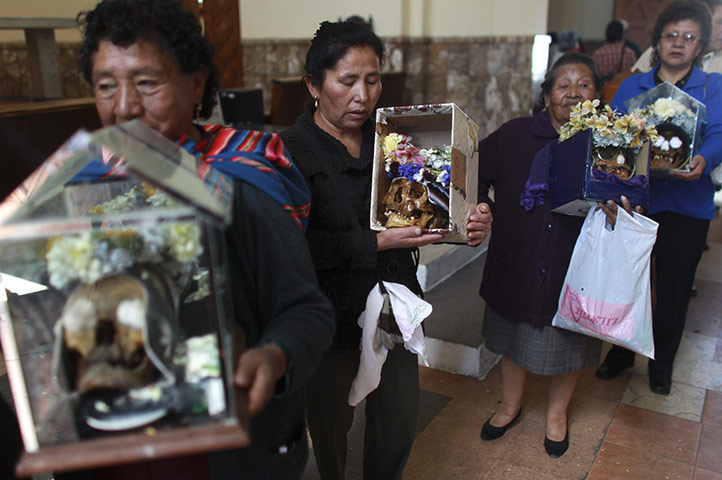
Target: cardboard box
690	125
432	126
572	186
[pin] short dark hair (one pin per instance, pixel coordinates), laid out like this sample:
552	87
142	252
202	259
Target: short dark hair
163	22
683	10
551	76
331	42
615	31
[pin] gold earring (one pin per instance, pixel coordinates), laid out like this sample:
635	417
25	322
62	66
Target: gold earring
315	101
197	113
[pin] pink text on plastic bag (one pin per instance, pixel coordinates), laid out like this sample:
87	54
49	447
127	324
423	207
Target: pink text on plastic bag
612	319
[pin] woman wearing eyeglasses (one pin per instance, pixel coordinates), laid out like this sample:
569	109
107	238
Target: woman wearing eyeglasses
684	203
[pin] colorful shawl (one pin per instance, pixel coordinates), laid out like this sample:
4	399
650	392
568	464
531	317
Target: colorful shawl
257	158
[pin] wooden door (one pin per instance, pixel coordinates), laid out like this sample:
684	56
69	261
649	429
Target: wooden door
221	21
641	16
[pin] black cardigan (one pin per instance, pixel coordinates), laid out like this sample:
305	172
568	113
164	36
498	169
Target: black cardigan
276	300
346	259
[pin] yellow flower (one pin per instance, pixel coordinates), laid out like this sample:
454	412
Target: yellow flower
601	122
651	132
585	108
635	121
621	124
391	142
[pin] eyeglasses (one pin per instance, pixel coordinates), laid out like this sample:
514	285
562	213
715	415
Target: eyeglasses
686	37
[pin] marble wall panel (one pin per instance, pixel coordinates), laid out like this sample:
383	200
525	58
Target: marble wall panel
15	83
488	77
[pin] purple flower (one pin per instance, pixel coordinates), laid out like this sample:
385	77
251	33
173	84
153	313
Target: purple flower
408	170
446	175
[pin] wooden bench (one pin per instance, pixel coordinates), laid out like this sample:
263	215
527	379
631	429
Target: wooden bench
30	132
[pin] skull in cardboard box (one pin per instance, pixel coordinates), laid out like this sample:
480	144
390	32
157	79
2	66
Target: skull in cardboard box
408	203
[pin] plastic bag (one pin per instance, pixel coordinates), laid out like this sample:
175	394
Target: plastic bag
606	292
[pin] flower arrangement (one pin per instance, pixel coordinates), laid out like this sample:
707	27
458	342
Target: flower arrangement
89	256
423	165
140	196
610	129
675	123
667	110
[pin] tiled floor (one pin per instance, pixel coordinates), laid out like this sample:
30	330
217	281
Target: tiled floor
618	429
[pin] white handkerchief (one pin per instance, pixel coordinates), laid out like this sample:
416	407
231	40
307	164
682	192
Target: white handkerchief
409	311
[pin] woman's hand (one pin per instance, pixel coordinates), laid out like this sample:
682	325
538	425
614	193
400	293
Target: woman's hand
404	237
610	209
479	225
258	371
696	169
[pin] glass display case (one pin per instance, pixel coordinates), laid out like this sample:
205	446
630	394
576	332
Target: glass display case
678	118
115	317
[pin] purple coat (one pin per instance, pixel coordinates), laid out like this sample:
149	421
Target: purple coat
529	252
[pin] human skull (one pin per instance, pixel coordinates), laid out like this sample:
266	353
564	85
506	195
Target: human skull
407	203
670	149
104	328
613	161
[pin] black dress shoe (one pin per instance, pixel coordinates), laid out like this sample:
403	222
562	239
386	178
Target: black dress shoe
610	369
556	449
490	432
660	386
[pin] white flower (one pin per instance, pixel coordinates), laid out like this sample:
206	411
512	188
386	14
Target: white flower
666	108
69	258
92	255
184	240
675	142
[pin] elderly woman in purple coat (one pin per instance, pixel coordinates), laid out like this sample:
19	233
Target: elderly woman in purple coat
528	256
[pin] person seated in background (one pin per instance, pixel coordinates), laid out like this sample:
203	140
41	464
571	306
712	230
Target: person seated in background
148	60
614	56
629	42
568	42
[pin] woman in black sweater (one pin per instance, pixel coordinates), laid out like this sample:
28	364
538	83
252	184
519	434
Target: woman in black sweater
332	144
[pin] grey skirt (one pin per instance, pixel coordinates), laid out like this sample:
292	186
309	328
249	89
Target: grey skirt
542	351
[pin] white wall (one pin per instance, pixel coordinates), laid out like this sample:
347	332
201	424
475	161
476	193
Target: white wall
43	8
414	18
453	18
278	19
588	18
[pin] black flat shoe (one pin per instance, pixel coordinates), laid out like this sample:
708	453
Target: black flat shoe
556	449
610	369
660	386
490	432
